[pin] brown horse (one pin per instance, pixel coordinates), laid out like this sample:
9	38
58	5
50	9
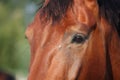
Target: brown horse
75	40
6	76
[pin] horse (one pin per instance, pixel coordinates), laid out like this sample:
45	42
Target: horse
75	40
6	76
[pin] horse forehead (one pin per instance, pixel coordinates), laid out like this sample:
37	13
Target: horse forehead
85	14
87	11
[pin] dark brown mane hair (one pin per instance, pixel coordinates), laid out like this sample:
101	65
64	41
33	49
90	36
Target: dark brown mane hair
110	9
56	10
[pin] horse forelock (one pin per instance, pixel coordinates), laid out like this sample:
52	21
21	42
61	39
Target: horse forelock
55	10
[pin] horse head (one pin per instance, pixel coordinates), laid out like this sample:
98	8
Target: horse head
75	40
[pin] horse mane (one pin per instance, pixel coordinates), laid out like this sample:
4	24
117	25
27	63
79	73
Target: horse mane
110	10
56	10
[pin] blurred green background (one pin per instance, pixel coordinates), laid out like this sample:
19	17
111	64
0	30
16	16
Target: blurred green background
15	15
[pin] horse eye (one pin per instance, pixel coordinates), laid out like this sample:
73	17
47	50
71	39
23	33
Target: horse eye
78	38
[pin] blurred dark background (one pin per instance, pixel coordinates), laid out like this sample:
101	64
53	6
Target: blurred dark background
15	15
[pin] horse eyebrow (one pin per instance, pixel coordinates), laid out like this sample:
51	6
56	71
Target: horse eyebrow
55	10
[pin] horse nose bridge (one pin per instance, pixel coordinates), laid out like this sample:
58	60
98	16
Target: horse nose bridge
63	65
54	59
41	62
